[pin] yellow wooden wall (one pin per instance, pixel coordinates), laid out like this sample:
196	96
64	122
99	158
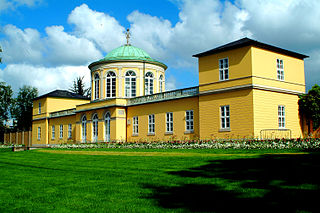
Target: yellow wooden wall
43	124
178	107
241	114
65	121
266	111
239	65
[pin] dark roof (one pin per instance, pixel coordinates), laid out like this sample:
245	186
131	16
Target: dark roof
249	42
63	94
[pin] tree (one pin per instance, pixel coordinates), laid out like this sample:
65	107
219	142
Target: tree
5	105
5	101
78	87
22	107
309	107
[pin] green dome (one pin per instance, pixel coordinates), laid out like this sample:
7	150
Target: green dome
128	53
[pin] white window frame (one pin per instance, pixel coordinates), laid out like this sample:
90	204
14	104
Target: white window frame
107	120
53	132
135	125
39	133
61	131
280	70
130	84
148	83
224	69
189	121
169	122
281	117
151	124
96	86
84	129
39	109
225	117
69	131
95	126
111	88
161	83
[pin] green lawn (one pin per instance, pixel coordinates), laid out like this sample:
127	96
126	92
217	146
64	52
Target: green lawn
159	181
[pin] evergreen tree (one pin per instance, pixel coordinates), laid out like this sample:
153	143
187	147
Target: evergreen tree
78	87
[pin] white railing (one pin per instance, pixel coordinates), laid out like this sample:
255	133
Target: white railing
62	113
180	93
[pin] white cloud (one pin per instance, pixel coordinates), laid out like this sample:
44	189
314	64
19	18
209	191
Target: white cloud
171	83
12	4
98	27
202	25
45	79
68	49
150	33
22	46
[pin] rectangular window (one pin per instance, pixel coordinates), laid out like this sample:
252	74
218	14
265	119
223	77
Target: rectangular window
224	69
169	122
281	117
39	109
135	125
69	130
61	131
225	117
280	71
53	132
39	133
151	124
189	120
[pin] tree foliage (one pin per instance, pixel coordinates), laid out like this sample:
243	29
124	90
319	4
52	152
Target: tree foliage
78	87
22	107
309	105
5	101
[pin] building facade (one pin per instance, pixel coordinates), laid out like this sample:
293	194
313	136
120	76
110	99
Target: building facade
247	89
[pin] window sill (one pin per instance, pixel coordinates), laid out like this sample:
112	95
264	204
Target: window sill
225	130
168	133
151	134
189	132
135	135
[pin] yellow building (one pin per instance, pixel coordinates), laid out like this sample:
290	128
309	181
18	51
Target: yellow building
247	89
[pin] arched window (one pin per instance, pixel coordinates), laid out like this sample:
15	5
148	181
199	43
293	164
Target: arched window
111	85
107	126
96	86
130	86
95	127
148	84
161	83
84	128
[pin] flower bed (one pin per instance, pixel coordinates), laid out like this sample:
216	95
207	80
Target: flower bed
305	144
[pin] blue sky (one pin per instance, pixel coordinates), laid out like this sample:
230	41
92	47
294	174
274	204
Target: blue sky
48	43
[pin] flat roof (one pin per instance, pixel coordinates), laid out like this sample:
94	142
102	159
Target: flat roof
249	42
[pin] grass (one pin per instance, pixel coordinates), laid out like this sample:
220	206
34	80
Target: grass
126	180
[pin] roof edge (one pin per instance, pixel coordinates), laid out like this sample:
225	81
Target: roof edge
127	60
249	42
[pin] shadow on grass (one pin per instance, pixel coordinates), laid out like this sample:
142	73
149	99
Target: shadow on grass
270	183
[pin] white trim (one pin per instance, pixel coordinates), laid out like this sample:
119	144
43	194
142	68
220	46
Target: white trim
225	117
189	124
251	86
151	124
169	122
224	69
281	117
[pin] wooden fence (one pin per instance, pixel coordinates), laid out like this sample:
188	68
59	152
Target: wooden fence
23	137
